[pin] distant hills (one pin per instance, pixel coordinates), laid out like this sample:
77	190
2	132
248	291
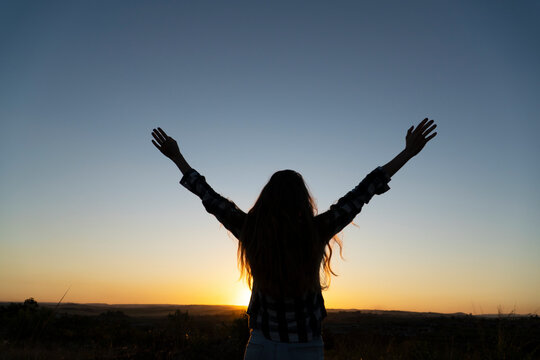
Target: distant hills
147	310
397	313
158	310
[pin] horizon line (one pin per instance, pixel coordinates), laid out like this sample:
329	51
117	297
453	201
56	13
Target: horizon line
245	306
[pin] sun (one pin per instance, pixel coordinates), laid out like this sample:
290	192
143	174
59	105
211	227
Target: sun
242	296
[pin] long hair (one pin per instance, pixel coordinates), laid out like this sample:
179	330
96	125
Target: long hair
280	250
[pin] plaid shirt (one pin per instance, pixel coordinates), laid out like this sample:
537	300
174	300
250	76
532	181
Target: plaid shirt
292	319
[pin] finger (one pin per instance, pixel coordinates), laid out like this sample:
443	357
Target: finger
410	130
422	131
162	133
425	133
427	124
158	139
419	126
156	145
431	136
159	136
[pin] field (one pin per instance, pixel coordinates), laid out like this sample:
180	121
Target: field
98	331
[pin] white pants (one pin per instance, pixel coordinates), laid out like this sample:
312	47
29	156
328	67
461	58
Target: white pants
260	348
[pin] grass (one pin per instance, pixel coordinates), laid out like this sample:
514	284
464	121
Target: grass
30	331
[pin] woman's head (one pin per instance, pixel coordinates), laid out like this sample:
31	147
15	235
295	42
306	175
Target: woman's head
280	248
286	196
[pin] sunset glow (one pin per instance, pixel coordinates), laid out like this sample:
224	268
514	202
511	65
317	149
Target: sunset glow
243	297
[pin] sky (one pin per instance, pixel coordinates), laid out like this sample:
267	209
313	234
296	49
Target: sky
247	88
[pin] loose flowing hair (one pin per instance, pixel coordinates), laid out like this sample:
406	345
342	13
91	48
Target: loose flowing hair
280	250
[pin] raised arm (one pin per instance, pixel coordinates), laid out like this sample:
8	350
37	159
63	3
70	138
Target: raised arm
415	141
225	211
375	183
168	147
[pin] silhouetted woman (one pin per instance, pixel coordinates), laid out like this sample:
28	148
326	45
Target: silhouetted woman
284	245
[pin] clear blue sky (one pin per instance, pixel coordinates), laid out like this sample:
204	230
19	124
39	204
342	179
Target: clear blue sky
247	88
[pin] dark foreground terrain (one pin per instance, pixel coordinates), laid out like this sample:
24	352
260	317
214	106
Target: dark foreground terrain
75	331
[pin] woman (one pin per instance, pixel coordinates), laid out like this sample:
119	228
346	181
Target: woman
283	245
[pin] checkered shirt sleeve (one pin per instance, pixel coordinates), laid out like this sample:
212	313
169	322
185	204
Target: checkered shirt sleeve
345	209
223	209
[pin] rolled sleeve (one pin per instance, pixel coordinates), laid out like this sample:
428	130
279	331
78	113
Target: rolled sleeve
189	180
380	181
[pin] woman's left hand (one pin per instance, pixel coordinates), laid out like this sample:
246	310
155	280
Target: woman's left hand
166	144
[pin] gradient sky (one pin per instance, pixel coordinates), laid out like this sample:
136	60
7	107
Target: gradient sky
327	88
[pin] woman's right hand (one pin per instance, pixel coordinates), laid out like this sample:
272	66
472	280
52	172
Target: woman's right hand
166	144
417	138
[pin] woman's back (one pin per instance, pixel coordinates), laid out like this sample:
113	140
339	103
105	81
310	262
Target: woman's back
280	246
289	307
